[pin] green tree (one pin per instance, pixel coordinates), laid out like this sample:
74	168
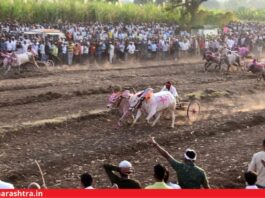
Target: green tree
189	7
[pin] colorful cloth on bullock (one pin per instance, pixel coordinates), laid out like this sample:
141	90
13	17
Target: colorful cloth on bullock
148	94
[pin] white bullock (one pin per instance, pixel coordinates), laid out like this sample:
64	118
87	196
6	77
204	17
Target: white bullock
153	104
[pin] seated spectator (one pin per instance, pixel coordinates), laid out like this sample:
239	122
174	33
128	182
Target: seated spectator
159	175
123	181
189	175
251	179
174	186
257	165
5	185
86	181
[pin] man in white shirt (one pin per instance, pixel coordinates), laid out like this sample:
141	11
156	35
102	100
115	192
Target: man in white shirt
9	45
25	47
257	165
5	185
230	43
111	52
169	87
14	44
131	48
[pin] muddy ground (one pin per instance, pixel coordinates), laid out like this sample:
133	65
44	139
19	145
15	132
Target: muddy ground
58	117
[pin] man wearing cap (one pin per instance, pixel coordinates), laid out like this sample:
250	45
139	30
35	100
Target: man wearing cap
189	175
258	165
123	181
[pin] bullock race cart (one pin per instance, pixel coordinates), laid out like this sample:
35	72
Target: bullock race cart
192	108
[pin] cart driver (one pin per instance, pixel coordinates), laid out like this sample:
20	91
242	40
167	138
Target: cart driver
169	87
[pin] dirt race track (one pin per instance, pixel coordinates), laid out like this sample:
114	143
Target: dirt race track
59	118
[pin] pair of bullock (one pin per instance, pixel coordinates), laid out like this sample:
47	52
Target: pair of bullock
257	68
225	56
16	60
233	58
153	104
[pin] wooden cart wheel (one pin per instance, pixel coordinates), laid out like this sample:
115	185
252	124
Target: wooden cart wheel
193	110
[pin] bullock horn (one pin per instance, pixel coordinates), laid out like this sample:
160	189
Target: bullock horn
134	91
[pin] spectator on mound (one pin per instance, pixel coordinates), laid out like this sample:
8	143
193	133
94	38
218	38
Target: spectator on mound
174	186
5	185
189	175
123	181
86	181
159	175
251	179
257	165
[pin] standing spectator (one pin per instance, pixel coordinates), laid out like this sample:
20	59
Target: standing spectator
64	52
121	50
176	48
14	44
2	45
9	46
77	53
259	46
54	53
251	179
48	50
189	175
159	174
86	181
153	49
123	181
165	48
5	185
25	46
70	53
131	49
42	51
257	165
111	52
85	52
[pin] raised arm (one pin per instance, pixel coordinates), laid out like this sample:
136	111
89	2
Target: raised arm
109	170
162	151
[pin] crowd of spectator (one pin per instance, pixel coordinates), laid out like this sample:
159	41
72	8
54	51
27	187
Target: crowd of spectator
119	42
189	175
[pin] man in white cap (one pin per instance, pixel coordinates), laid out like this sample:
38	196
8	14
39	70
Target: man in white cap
189	175
123	181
